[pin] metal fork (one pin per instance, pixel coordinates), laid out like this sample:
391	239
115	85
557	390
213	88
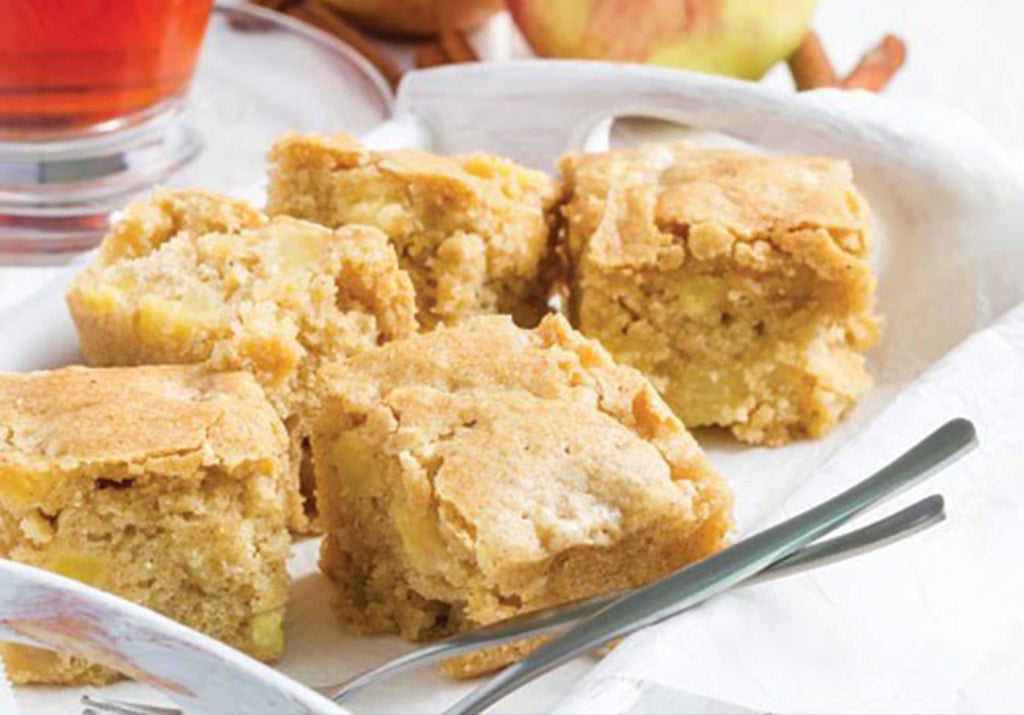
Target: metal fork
781	550
906	522
704	579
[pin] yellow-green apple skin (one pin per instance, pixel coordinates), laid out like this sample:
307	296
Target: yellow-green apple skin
741	38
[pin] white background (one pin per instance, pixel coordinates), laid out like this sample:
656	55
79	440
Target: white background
966	53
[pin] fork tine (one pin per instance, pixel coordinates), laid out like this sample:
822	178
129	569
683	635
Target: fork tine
123	707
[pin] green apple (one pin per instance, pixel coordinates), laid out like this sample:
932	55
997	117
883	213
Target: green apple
742	38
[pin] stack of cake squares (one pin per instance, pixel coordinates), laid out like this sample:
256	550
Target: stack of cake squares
380	358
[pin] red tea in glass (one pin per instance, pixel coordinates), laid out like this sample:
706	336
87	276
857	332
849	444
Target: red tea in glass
70	67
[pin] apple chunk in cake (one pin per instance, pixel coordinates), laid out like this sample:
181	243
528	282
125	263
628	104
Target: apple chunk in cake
739	284
482	471
189	277
471	230
168	486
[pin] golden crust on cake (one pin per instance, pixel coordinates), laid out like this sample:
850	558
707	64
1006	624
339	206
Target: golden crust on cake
670	188
184	414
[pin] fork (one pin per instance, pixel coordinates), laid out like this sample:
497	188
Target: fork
696	583
906	522
779	551
910	520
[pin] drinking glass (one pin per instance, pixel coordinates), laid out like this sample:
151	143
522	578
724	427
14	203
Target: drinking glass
74	68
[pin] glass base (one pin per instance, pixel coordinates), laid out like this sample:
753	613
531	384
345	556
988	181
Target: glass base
57	198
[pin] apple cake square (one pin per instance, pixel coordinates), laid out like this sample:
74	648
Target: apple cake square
739	284
472	231
481	471
190	277
166	485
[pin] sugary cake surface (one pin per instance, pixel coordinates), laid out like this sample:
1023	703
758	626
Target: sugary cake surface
750	197
190	277
471	230
481	471
739	284
552	361
167	485
78	417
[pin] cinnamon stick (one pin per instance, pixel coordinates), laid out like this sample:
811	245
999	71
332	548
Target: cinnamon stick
810	66
878	66
454	42
430	54
281	5
316	13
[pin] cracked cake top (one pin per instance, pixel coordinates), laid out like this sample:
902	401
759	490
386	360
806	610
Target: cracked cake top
638	207
75	418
